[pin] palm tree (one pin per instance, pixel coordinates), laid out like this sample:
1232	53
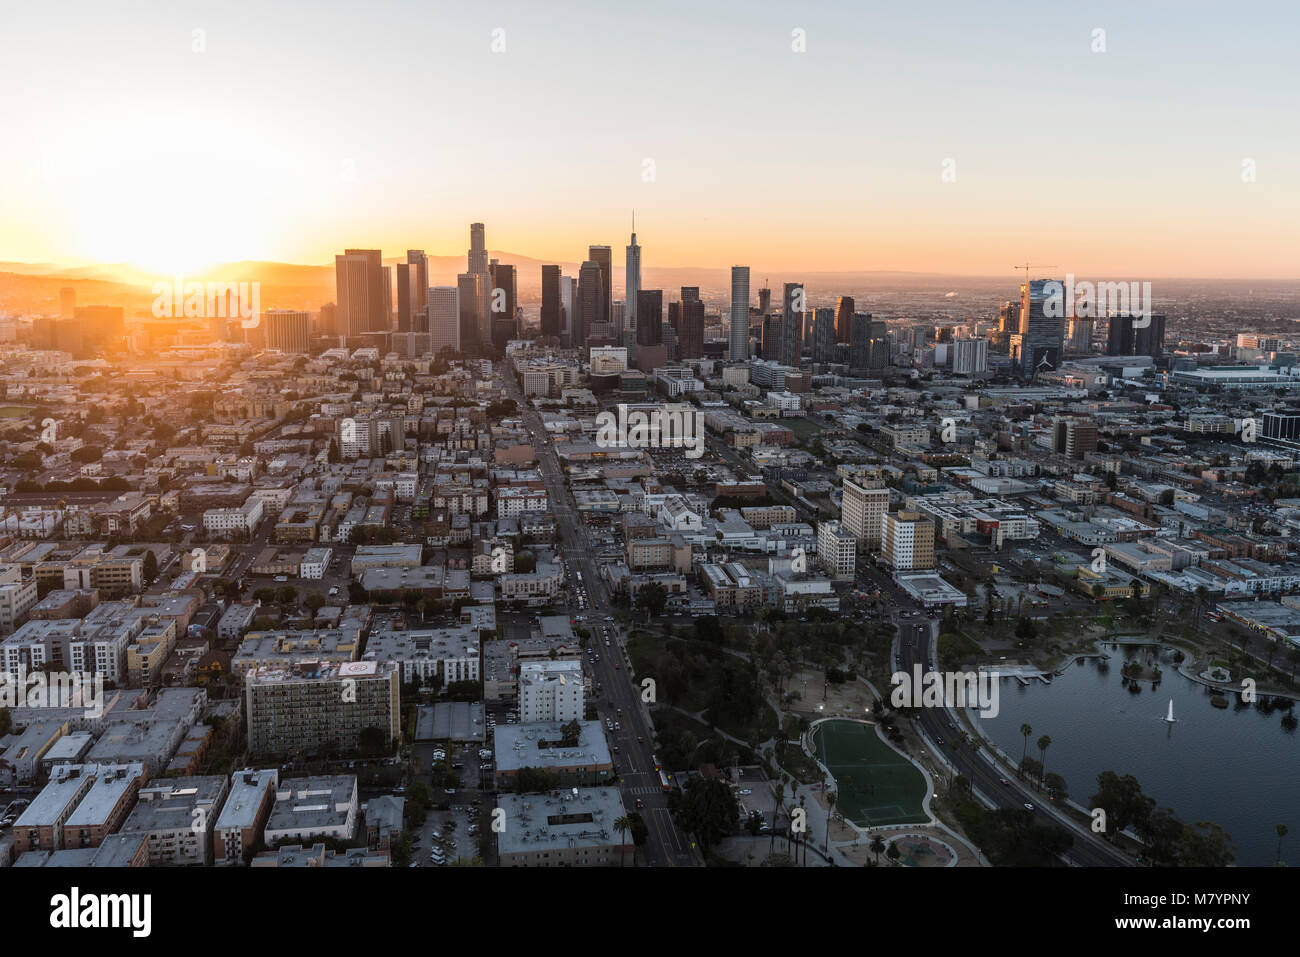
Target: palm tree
1043	744
1201	595
877	847
1281	833
831	798
624	824
1026	731
779	790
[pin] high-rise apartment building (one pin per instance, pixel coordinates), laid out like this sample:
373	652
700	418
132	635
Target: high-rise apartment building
1074	437
1126	338
836	546
551	691
907	541
970	356
318	706
792	324
288	330
862	510
825	329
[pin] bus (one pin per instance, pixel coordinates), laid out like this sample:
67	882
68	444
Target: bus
664	780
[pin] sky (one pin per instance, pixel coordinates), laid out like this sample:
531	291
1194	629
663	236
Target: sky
939	137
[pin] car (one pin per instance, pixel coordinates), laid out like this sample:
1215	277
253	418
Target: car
640	739
1028	807
746	791
617	666
450	790
640	803
282	578
1006	782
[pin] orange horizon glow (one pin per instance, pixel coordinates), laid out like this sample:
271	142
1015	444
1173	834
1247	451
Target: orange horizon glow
294	134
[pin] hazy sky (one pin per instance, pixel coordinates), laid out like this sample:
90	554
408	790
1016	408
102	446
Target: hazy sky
306	127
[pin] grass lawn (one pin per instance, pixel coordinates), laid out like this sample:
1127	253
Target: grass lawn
801	428
875	784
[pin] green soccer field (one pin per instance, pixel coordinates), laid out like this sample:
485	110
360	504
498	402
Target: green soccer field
875	784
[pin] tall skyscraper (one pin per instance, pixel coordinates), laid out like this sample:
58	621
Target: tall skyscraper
738	334
844	320
618	321
690	292
772	348
859	343
632	284
792	312
690	329
825	330
1042	336
765	300
650	317
475	291
359	284
478	257
1124	340
443	311
868	349
591	301
502	303
551	316
412	288
568	310
604	257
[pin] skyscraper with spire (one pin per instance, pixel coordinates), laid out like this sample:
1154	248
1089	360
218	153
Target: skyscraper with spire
632	282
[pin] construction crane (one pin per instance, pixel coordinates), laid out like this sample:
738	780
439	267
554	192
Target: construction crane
1028	266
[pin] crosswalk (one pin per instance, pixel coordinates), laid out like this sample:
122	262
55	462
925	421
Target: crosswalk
644	790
